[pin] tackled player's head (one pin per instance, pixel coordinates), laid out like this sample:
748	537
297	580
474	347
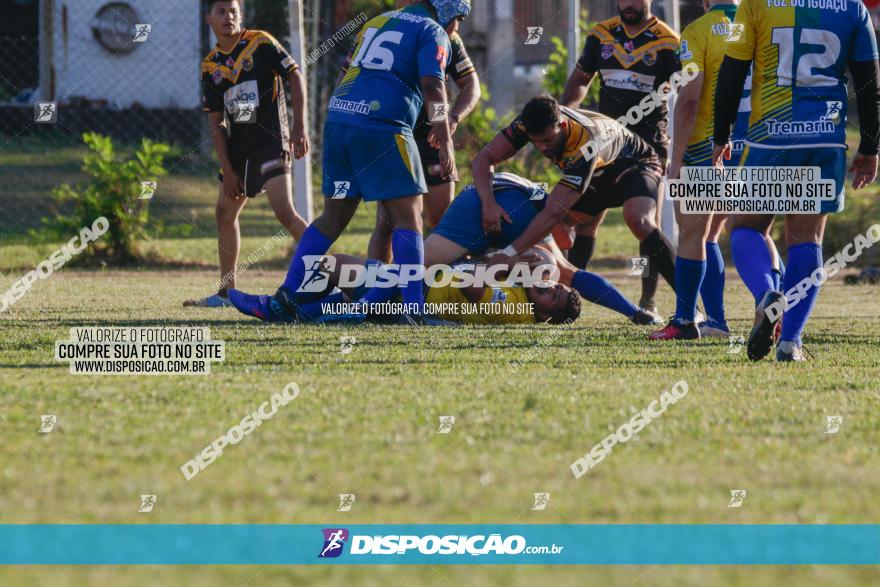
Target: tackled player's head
555	305
545	125
225	17
634	11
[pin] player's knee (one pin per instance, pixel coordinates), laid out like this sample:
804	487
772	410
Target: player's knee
640	223
226	215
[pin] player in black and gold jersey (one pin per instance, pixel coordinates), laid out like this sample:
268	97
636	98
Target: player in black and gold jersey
604	165
243	94
633	54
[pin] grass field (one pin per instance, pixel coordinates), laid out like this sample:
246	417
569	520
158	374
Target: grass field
366	424
527	400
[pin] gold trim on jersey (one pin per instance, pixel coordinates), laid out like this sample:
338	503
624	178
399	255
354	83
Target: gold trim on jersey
665	38
254	40
578	136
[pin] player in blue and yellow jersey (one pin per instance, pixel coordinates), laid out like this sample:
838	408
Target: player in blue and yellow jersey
799	51
243	95
699	266
459	234
441	188
369	151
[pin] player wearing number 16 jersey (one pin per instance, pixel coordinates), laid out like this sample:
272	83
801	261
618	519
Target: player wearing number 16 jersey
799	51
369	151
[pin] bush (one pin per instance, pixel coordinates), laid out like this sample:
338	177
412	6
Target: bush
114	192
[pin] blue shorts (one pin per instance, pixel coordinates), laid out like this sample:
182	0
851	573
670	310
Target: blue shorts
831	161
369	164
463	221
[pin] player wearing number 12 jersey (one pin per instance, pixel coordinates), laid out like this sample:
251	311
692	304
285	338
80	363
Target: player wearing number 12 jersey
799	51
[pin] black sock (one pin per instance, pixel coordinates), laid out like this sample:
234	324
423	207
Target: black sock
581	251
660	260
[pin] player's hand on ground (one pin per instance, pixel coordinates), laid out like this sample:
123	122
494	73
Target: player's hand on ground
720	153
232	185
299	142
492	216
864	170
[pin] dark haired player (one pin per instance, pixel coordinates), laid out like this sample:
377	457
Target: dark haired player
620	171
243	94
633	54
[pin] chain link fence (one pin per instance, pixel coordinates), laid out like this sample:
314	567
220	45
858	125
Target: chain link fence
129	70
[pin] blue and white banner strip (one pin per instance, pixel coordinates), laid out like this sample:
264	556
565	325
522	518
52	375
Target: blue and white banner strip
561	544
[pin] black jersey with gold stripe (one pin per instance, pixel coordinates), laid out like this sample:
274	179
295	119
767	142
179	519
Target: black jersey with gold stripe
610	142
631	67
246	85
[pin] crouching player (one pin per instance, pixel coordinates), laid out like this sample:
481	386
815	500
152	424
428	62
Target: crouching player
460	233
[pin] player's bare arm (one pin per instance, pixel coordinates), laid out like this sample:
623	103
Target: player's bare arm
559	202
686	106
232	186
497	151
469	94
299	136
434	91
576	88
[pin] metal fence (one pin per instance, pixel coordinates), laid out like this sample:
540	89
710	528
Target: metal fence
128	70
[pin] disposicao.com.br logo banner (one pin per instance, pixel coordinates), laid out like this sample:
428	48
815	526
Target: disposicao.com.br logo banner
565	544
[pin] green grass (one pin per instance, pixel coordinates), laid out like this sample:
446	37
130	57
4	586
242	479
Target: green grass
366	423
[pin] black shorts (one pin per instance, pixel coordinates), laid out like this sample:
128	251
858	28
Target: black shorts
259	166
618	182
431	158
655	135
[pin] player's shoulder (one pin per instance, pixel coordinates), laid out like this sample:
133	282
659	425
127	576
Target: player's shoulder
259	37
604	28
700	26
582	115
662	31
210	60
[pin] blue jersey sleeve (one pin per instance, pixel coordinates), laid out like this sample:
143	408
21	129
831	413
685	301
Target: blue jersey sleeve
864	44
433	52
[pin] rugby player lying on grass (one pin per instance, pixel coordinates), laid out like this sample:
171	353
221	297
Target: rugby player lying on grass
460	233
454	300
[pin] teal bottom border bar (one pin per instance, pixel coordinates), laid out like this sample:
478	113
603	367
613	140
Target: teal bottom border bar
437	544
